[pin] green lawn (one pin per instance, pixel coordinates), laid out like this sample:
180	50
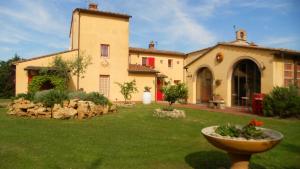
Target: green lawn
133	139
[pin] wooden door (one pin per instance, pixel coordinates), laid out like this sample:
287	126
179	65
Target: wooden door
206	85
159	94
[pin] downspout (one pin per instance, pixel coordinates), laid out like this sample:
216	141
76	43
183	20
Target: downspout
78	48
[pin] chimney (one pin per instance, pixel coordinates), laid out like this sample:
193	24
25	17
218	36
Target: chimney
93	6
151	45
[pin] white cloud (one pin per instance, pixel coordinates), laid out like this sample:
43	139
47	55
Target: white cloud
278	41
269	4
35	15
170	22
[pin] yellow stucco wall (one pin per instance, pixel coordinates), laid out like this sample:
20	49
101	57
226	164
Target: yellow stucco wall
74	31
173	73
21	74
223	70
94	31
143	80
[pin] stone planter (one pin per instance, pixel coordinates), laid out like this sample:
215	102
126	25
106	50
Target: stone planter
241	149
169	114
147	97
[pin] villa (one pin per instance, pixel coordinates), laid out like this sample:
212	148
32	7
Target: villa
234	70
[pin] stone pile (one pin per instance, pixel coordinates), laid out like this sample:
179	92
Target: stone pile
73	109
169	114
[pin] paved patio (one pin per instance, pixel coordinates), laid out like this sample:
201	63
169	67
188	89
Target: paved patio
230	110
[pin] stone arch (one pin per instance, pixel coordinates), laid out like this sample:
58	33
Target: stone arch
230	75
204	80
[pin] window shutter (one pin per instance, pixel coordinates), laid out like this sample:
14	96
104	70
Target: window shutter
151	62
104	85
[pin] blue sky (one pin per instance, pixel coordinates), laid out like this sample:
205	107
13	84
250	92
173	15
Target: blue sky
36	27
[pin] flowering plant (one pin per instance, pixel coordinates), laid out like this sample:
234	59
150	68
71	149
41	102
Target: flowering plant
249	131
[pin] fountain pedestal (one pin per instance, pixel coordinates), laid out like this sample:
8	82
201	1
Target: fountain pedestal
240	150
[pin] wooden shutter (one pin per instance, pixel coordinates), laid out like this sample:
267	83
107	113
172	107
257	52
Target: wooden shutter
297	68
288	74
104	85
151	62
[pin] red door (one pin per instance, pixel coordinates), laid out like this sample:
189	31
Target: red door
159	94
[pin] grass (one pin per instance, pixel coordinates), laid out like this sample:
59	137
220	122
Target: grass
133	138
4	102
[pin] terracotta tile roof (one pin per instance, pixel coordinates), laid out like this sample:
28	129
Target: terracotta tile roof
135	68
161	75
103	13
155	51
38	68
262	48
39	57
250	46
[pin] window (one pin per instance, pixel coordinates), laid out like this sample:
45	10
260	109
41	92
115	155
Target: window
298	74
288	74
104	85
144	61
170	63
148	61
291	74
104	50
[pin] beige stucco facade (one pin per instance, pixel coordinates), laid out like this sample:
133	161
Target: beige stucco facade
92	28
89	29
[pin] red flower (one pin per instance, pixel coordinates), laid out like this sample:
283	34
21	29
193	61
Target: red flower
256	123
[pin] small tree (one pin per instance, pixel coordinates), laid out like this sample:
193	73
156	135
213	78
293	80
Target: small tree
79	66
58	67
127	89
172	93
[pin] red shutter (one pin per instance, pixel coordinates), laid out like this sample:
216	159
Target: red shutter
151	62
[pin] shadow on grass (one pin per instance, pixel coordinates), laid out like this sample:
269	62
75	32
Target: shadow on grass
212	160
95	164
291	147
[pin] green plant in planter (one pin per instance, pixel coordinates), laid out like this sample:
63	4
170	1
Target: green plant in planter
147	89
248	131
127	89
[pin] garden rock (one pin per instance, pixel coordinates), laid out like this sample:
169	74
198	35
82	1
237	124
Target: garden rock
74	108
169	114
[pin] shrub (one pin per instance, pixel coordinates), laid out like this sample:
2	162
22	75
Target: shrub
37	82
127	89
97	98
282	102
173	93
26	96
81	95
50	97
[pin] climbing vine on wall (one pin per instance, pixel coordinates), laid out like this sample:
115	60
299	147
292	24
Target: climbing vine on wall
38	81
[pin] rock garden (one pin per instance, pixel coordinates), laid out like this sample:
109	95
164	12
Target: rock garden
61	105
172	93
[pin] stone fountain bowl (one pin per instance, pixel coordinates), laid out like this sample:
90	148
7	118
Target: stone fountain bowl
240	145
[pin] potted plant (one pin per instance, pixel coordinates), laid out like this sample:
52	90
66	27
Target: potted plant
147	96
241	142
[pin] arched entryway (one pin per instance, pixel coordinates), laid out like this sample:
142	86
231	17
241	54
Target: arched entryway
204	85
246	80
